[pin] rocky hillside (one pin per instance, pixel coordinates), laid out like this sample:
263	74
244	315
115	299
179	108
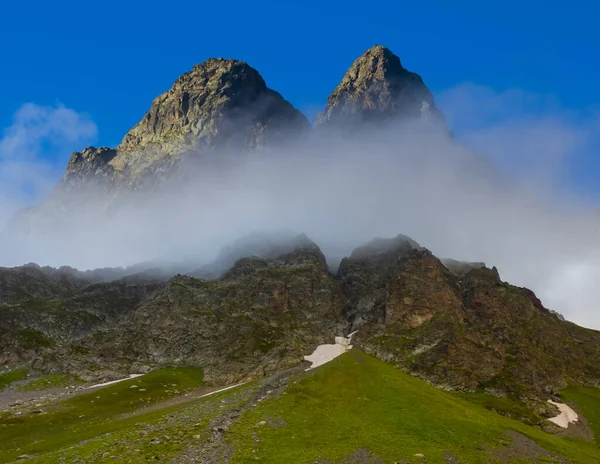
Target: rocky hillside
260	316
465	330
43	309
460	327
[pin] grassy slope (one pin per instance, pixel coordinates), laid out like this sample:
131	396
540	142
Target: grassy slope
358	402
351	403
90	415
9	377
143	437
51	381
587	401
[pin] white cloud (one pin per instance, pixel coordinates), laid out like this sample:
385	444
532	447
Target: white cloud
34	150
526	223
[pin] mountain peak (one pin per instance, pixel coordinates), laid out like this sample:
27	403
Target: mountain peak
221	105
379	52
204	102
377	88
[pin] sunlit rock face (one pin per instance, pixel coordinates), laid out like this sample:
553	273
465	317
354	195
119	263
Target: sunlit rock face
378	89
220	106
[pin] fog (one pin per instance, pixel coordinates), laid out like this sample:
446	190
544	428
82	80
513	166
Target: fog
494	193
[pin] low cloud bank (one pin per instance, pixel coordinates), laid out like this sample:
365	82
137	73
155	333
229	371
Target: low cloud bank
504	201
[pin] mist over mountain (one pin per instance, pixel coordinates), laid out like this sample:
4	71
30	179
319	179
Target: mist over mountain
220	156
231	284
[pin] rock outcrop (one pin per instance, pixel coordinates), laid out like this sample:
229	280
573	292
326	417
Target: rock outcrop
378	89
220	106
464	330
90	165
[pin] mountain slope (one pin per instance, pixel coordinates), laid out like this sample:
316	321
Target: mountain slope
260	317
462	331
355	409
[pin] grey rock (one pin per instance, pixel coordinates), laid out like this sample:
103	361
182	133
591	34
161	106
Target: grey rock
377	89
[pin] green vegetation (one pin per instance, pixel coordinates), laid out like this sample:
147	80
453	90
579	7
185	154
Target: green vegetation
51	381
40	304
357	402
326	415
282	272
32	338
86	416
507	406
587	400
12	376
165	432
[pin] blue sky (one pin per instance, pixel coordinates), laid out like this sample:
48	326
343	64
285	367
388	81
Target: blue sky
110	59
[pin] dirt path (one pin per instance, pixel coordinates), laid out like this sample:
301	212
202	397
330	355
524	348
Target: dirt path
11	399
182	399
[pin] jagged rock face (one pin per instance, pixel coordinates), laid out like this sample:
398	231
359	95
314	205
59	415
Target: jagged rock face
364	276
219	103
461	268
459	330
43	310
261	316
219	106
90	164
378	89
466	330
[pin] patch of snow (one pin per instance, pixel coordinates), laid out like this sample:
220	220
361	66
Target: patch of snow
325	353
131	376
222	389
567	415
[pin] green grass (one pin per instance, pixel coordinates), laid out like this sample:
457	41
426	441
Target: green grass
12	376
133	439
587	400
90	415
325	415
51	381
32	338
510	407
357	401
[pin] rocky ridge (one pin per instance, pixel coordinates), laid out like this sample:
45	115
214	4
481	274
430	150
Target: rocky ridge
463	331
224	106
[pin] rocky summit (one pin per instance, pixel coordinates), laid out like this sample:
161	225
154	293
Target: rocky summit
220	106
224	106
378	89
